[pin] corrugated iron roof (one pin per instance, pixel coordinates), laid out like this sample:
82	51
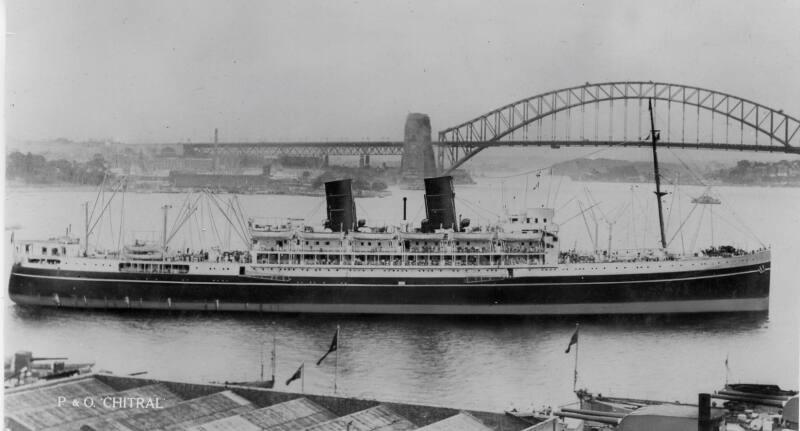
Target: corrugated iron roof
296	414
380	417
203	407
460	422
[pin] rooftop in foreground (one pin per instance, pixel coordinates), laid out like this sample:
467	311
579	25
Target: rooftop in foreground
108	402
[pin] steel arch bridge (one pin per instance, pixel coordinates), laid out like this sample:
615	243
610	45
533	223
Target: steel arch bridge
559	118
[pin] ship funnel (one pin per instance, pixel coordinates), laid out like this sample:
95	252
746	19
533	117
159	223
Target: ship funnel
341	206
440	207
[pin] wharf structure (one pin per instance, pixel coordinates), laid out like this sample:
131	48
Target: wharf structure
122	403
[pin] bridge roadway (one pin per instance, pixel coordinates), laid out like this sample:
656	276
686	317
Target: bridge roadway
298	149
661	144
390	148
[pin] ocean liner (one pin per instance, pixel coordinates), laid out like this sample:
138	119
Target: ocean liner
442	266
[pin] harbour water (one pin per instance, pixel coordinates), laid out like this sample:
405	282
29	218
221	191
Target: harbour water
481	363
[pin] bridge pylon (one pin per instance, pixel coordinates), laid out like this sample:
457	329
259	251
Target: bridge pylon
417	160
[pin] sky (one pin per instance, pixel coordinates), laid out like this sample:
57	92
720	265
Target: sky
156	71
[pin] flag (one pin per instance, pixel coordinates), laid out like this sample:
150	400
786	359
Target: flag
727	370
297	374
334	346
573	340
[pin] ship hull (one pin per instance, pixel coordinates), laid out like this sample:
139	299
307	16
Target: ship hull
742	288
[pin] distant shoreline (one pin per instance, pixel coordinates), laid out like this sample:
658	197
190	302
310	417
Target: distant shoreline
18	186
709	183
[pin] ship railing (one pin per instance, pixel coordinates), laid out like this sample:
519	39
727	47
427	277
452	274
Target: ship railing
404	259
397	252
384	265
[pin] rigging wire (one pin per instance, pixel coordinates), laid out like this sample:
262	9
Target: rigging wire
111	227
739	229
216	202
576	215
566	203
725	205
689	169
631	233
558	188
672	203
99	217
243	222
238	215
680	228
475	210
189	228
181	209
697	231
120	240
314	210
184	215
100	192
419	210
362	209
474	204
213	222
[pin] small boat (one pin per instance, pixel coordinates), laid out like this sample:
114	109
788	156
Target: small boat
706	199
142	250
261	383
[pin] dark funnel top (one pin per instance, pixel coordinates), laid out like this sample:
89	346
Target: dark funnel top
341	206
440	207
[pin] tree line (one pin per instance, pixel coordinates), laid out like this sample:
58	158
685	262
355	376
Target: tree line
36	169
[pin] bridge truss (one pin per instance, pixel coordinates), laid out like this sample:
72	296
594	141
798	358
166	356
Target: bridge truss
715	120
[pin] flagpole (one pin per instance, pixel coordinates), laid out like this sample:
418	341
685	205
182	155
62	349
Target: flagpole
336	362
727	371
577	346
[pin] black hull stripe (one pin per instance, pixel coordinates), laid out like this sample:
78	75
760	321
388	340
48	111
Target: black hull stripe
662	307
234	280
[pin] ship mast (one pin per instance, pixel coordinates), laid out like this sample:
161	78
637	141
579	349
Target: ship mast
164	229
655	135
86	229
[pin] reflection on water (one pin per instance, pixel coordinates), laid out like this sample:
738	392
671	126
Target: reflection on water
484	363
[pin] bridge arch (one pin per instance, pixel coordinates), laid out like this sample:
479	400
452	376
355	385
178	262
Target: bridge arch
497	127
